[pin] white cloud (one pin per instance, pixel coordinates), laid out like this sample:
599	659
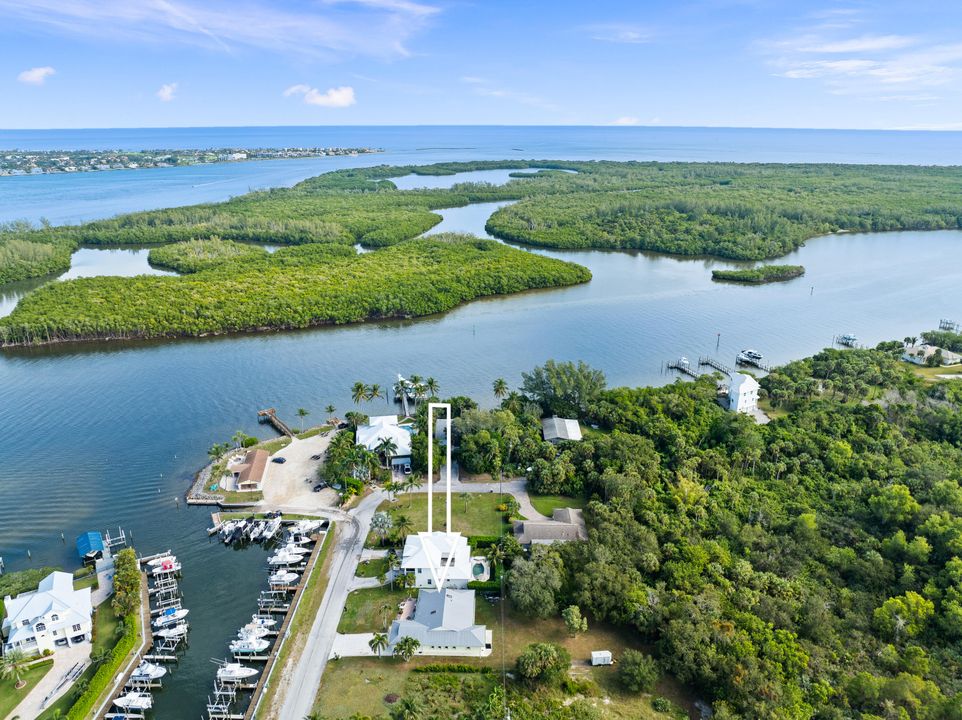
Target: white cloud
626	120
487	88
865	43
36	76
167	91
338	97
328	29
619	33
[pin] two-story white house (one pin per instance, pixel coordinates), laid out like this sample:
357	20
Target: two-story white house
54	615
743	393
438	550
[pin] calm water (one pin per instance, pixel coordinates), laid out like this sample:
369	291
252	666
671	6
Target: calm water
105	435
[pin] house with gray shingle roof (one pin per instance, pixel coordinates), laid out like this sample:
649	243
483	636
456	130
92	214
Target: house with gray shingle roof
443	622
565	525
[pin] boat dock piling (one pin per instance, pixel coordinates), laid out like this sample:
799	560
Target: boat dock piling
270	416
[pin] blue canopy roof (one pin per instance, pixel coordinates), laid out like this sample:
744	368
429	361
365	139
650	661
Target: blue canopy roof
89	542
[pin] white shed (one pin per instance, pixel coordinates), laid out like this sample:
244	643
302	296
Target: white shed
601	657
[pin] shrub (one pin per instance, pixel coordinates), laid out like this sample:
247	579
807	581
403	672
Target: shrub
452	668
637	672
249	441
544	662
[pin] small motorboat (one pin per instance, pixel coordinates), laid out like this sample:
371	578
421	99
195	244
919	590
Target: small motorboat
283	577
169	565
848	339
147	671
749	357
253	631
157	562
170	616
135	701
283	557
297	539
248	645
263	621
235	672
296	550
270	530
172	632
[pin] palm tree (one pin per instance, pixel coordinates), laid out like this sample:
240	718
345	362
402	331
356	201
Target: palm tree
413	383
374	391
386	609
330	412
432	385
238	437
403	525
465	496
408	708
406	647
302	413
500	387
378	643
386	448
412	483
496	555
12	664
358	392
394	563
355	418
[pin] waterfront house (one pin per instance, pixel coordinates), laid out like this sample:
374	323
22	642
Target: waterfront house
743	394
427	554
442	621
926	354
557	429
565	525
54	615
249	474
386	427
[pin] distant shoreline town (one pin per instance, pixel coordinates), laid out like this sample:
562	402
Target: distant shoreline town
42	162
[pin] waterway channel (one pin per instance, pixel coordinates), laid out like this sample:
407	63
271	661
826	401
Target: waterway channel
101	435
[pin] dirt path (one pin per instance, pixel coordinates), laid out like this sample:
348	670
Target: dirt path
290	485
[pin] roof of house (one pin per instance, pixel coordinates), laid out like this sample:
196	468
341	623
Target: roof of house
252	469
55	594
384	427
426	550
90	542
925	350
568	515
442	618
742	383
555	428
567	524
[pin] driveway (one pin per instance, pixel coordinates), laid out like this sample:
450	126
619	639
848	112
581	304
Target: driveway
355	645
300	683
285	485
53	684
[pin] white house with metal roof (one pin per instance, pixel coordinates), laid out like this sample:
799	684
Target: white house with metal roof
386	427
557	429
438	557
443	622
743	393
54	615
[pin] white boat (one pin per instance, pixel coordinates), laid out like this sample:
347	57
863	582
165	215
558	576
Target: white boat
135	701
270	530
170	616
148	671
156	562
282	557
248	646
167	566
296	549
283	577
306	527
749	357
298	540
848	339
235	672
172	632
252	631
228	527
263	621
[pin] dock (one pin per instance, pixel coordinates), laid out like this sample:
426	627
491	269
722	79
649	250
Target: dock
756	363
720	367
683	366
270	416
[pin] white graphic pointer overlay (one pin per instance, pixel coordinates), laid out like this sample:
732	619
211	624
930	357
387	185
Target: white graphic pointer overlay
441	559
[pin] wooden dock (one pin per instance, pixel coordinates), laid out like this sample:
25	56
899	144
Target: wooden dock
682	366
720	367
270	416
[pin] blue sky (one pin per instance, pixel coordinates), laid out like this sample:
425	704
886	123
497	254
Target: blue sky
760	63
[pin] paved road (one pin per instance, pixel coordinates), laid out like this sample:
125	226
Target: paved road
304	678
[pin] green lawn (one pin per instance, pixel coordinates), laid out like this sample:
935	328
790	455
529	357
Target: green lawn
232	497
311	432
273	446
10	697
471	513
931	374
373	568
87	581
547	504
358	685
372	610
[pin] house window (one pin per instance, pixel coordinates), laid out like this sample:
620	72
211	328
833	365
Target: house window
54	618
39	627
76	628
25	623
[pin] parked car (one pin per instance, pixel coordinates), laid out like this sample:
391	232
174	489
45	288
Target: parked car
316	457
407	468
318	488
279	460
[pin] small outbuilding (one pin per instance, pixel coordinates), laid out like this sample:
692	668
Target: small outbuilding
557	429
601	657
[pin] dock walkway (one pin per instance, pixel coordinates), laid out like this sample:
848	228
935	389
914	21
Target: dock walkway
270	416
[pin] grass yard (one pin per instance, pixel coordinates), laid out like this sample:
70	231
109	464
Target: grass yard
547	504
10	697
931	374
87	581
301	623
232	497
471	513
311	432
273	446
372	610
373	568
